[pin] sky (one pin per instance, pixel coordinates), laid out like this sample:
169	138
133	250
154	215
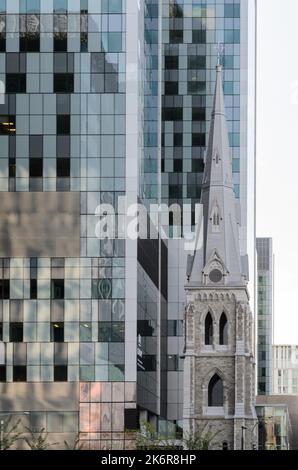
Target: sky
277	154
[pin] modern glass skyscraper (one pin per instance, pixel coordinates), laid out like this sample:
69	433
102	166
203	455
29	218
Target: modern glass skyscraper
265	296
105	98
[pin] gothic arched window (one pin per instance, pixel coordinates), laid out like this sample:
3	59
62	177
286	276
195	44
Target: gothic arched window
208	330
215	220
215	391
223	330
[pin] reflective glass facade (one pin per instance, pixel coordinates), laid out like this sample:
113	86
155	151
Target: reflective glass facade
265	314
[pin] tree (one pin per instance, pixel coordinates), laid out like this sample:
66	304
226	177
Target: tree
75	445
9	434
38	441
149	439
200	439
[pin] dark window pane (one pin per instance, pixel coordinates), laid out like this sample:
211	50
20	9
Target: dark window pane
172	114
19	373
60	43
2	373
178	165
145	328
15	83
63	124
57	332
171	88
198	114
12	168
16	332
171	62
63	83
131	419
30	42
1	331
2	42
60	373
35	167
8	125
196	62
199	37
178	139
198	140
196	87
4	288
198	166
148	363
63	167
176	36
57	288
33	289
208	330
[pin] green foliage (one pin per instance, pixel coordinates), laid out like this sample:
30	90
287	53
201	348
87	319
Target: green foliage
38	441
75	445
200	439
9	434
149	439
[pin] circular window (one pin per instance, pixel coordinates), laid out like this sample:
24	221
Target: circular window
215	275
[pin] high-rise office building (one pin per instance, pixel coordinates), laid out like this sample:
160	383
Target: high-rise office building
285	369
265	303
194	35
106	98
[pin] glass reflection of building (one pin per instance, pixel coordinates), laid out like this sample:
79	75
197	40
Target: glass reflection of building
274	427
265	275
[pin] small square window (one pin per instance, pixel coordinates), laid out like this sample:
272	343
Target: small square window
57	332
63	167
63	83
176	36
16	332
198	114
198	140
198	166
178	139
35	167
60	373
57	288
171	88
19	373
171	62
2	373
15	83
63	124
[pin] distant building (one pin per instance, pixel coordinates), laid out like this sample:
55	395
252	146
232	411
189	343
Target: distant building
265	296
285	369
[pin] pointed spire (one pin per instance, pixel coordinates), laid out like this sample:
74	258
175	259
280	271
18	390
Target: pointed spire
221	237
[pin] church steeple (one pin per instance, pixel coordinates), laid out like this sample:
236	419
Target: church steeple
221	251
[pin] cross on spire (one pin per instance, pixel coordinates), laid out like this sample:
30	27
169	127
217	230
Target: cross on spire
220	52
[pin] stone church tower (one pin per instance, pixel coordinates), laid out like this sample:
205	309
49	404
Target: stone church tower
219	369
